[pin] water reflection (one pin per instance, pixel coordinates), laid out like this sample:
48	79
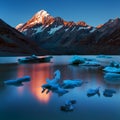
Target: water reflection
27	102
38	73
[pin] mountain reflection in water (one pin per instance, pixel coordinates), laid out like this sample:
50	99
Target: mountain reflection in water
38	73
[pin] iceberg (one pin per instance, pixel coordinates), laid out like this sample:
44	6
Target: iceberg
113	78
68	107
17	82
91	63
103	56
114	67
68	84
92	92
76	60
109	92
53	85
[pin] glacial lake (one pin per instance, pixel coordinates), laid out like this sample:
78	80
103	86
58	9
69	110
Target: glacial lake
28	103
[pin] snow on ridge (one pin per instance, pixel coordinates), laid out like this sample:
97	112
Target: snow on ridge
66	29
42	13
38	17
73	29
91	31
38	29
25	31
53	30
81	28
84	28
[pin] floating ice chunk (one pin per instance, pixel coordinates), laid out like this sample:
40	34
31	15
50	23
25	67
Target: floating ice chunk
68	106
13	82
114	64
17	82
52	85
103	56
109	92
112	69
76	60
55	79
60	91
68	84
24	79
54	88
92	92
112	78
91	63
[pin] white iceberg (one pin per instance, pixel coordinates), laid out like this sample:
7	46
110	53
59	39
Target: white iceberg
92	92
103	56
68	107
17	82
112	69
91	63
113	78
55	80
53	85
114	64
109	92
75	60
68	84
60	91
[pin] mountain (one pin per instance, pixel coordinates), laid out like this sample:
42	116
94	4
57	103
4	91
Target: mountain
67	37
12	42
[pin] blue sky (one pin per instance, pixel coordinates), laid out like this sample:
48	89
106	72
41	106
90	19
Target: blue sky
93	12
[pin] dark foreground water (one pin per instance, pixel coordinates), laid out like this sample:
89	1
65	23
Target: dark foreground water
28	103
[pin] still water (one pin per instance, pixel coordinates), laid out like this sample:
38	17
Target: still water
28	103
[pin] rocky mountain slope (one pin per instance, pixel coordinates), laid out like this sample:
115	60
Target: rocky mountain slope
67	37
12	42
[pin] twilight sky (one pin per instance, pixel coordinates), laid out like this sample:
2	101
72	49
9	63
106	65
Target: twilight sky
93	12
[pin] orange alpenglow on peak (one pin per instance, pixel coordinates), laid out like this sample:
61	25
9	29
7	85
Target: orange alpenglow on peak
99	26
82	23
39	17
42	13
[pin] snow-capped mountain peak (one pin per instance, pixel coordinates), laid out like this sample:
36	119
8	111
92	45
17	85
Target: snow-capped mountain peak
39	18
42	13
